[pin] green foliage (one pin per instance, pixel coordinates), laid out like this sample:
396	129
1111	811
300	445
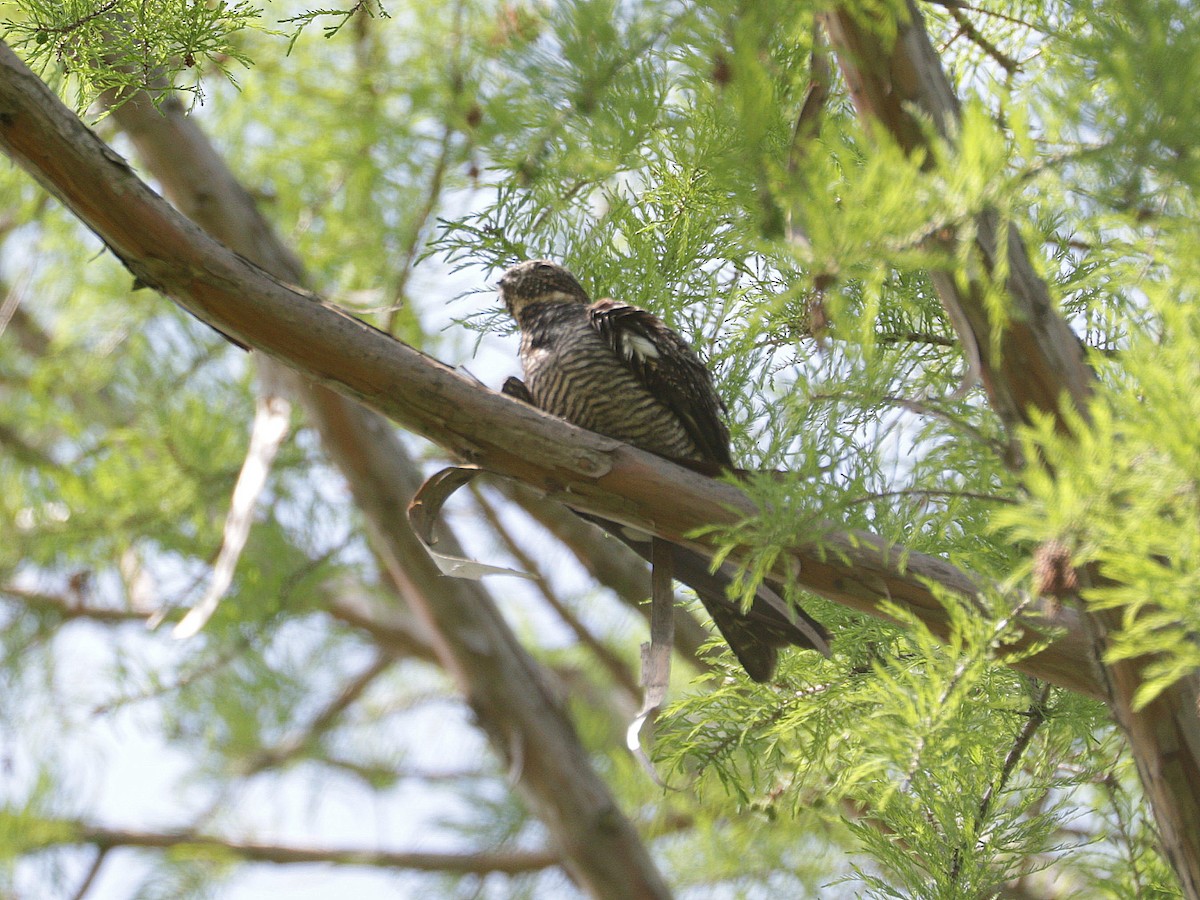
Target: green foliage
337	19
913	739
655	148
1124	495
116	45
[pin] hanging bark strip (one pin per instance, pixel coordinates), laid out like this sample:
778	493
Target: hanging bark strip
423	511
656	653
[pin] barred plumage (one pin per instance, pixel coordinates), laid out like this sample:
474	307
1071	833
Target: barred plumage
572	372
620	371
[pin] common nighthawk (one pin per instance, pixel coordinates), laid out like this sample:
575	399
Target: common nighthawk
620	371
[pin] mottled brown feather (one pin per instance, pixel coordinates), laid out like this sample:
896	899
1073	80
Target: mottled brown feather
622	371
673	373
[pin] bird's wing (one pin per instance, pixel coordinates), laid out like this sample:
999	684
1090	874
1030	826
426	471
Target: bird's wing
669	369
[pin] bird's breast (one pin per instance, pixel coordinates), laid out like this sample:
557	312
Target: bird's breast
572	373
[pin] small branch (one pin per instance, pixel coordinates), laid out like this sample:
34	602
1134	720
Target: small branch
918	337
955	4
373	774
1113	790
93	870
69	607
975	433
29	334
613	664
512	862
968	29
1035	718
564	197
432	195
24	450
208	667
927	492
78	23
808	123
923	409
350	694
942	706
389	624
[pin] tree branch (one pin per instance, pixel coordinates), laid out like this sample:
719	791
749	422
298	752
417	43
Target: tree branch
89	877
69	608
1032	359
589	472
392	626
510	862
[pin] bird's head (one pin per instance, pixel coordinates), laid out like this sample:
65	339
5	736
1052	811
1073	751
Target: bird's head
539	281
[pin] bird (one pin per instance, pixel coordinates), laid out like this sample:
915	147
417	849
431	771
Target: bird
622	372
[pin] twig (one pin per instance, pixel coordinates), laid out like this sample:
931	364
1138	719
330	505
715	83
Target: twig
808	123
93	870
511	862
927	492
323	720
921	409
70	609
78	23
223	659
956	4
943	707
918	337
967	28
1112	788
1036	717
609	660
434	193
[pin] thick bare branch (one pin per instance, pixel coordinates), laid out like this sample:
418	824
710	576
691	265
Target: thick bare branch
587	471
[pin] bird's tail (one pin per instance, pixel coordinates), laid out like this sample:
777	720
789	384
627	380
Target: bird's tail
756	635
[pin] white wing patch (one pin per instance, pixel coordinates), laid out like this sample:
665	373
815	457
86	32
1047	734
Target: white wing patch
636	346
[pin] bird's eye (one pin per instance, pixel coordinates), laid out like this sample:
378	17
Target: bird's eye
545	265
